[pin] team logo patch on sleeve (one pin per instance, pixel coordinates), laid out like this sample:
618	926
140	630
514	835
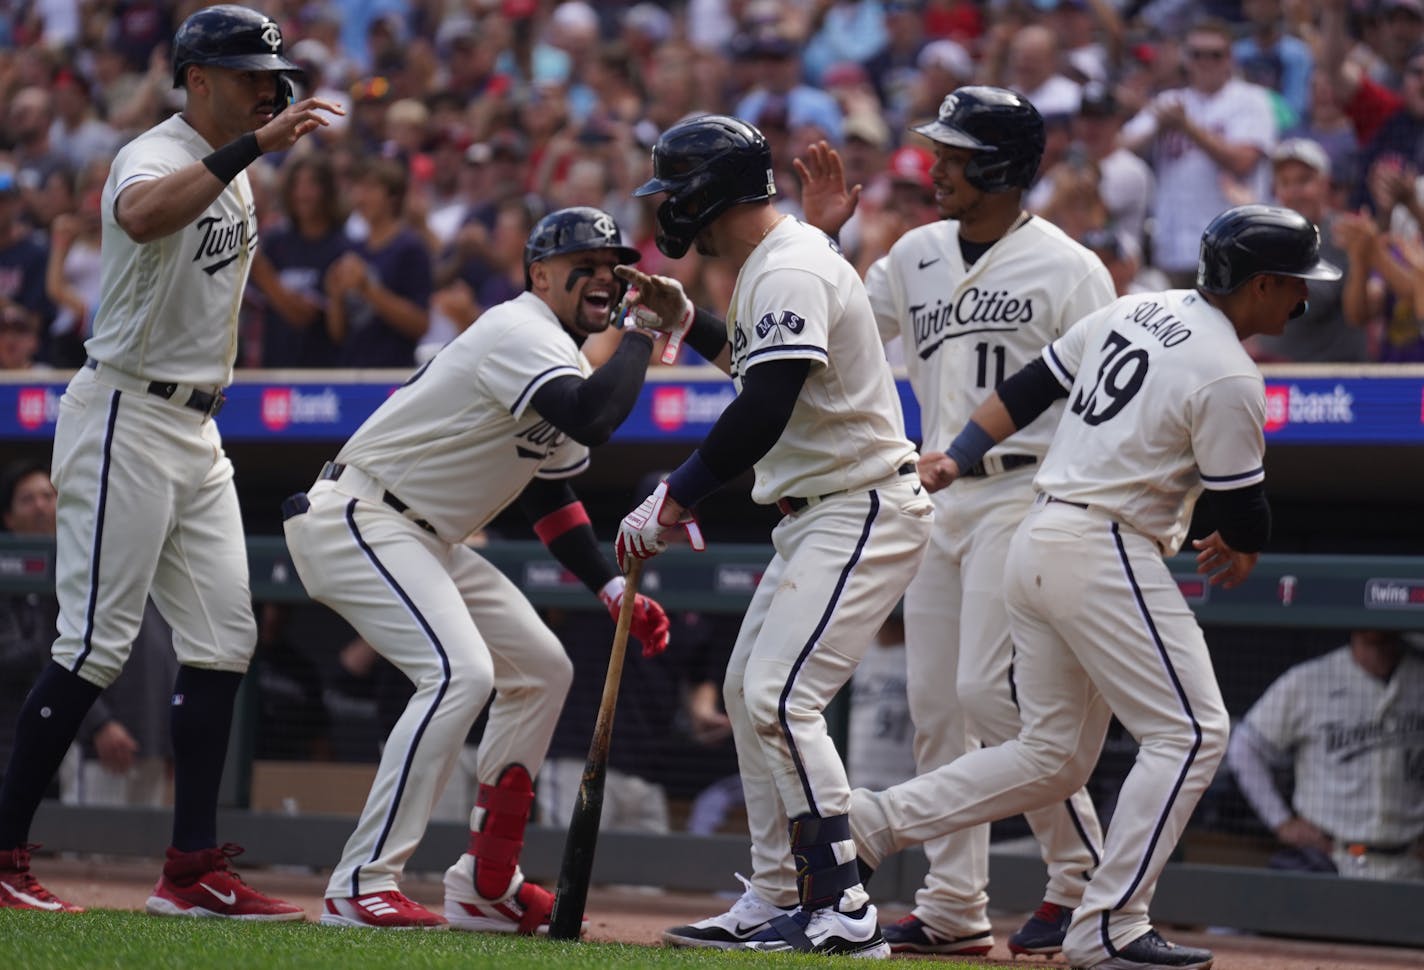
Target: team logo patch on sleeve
785	320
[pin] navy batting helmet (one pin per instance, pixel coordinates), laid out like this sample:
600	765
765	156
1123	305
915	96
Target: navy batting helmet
574	230
706	166
229	36
1252	239
1002	128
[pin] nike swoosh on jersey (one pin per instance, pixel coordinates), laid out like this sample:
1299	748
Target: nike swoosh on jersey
928	262
228	897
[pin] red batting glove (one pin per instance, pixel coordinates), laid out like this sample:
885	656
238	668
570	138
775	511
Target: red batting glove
650	623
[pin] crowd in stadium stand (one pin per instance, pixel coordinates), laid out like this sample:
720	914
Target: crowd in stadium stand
386	234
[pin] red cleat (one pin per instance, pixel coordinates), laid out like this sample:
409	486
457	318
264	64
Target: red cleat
387	910
201	884
19	889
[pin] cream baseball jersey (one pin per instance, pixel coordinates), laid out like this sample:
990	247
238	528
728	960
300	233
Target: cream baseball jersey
967	328
1358	743
1163	401
459	441
155	297
797	297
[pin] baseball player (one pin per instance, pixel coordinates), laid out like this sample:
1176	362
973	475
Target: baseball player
1163	401
505	412
817	417
146	498
974	297
1351	725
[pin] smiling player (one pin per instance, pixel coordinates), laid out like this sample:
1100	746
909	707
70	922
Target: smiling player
505	411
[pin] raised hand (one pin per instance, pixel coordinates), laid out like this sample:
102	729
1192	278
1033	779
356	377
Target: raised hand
289	125
640	534
825	201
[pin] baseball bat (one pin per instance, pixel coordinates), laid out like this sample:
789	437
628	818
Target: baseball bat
566	921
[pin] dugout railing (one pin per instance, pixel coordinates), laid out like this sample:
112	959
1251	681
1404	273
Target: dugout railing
1285	591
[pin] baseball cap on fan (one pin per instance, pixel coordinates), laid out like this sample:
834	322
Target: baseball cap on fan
912	164
1303	150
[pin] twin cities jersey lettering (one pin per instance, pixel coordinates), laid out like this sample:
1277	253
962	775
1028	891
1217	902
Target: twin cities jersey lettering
967	328
155	294
1163	401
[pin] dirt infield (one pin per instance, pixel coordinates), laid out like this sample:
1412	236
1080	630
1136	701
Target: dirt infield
632	915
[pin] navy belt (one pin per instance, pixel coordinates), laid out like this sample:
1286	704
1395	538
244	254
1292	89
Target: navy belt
1004	463
1064	501
792	505
332	470
202	401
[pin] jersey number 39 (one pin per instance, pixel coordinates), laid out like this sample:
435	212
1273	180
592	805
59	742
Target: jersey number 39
1120	376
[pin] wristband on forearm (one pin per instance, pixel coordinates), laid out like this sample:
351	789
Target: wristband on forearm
228	161
707	335
970	446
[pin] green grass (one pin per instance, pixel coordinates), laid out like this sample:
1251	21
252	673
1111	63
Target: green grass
107	940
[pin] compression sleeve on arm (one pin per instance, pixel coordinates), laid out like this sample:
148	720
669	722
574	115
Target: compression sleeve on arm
589	409
1242	516
562	524
707	335
1030	391
744	432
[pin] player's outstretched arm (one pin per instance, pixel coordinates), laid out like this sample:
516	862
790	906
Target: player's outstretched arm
660	303
825	201
562	524
155	208
1013	405
588	410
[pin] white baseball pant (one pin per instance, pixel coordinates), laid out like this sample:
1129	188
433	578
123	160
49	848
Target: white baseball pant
457	628
957	633
1100	628
840	566
146	507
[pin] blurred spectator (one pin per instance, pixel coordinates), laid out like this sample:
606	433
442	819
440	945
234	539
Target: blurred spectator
1032	70
1127	183
779	88
27	620
959	20
72	274
943	66
1123	260
843	30
1090	35
28	122
19	338
290	267
1207	143
1350	724
22	259
379	291
1279	62
468	55
141	27
880	738
129	100
1328	125
123	752
1331	329
1400	29
77	135
1389	123
1074	204
895	70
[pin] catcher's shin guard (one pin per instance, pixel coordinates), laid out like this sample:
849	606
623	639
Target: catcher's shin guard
499	838
820	878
